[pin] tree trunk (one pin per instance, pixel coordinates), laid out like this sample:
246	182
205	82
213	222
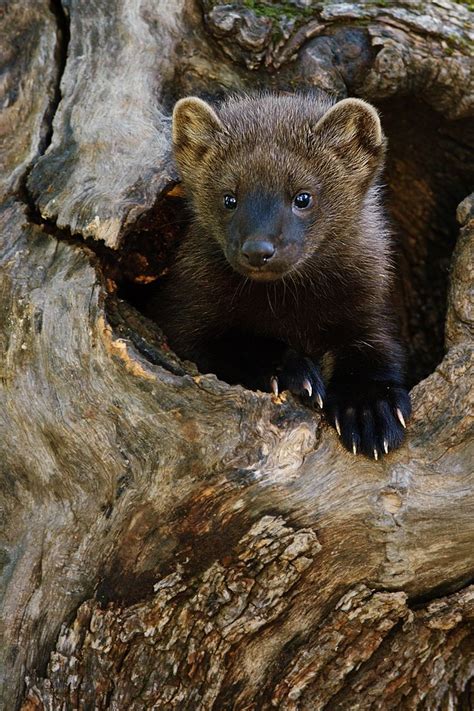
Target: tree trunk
169	541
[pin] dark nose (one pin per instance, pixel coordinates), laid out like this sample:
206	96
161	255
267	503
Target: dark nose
258	252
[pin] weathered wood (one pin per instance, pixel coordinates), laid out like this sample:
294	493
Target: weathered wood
30	71
205	655
169	541
409	42
109	154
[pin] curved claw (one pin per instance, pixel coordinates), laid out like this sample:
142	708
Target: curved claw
370	417
308	387
320	401
401	418
274	385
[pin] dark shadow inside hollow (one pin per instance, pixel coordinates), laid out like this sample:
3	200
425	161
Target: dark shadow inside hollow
428	173
149	248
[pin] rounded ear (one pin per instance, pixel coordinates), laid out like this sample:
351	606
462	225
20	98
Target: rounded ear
195	128
351	128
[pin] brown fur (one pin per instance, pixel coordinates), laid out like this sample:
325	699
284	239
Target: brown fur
332	293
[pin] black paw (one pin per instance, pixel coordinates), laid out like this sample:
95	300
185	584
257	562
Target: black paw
302	377
370	417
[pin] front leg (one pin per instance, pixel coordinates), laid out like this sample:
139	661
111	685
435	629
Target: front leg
261	363
301	376
367	402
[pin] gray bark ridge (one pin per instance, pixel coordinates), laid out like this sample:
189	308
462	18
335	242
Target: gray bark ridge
109	155
29	88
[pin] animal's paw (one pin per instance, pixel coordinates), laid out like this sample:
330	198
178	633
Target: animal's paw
370	417
302	377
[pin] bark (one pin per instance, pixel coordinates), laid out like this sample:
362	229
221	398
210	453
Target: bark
170	541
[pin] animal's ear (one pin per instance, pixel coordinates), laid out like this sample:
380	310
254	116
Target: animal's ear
351	129
195	129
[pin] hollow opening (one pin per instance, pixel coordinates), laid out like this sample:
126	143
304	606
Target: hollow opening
428	172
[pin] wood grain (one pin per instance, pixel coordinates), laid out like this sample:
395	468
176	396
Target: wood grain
167	540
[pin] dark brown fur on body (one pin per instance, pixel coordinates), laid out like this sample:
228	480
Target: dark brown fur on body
327	285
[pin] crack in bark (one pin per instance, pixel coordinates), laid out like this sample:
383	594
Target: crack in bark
377	654
60	59
419	601
63	35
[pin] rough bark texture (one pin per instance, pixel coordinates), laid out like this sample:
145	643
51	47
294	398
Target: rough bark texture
169	541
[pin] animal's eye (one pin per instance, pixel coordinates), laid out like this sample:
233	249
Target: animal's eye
302	201
230	202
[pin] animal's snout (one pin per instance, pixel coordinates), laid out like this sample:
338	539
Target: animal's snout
258	252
